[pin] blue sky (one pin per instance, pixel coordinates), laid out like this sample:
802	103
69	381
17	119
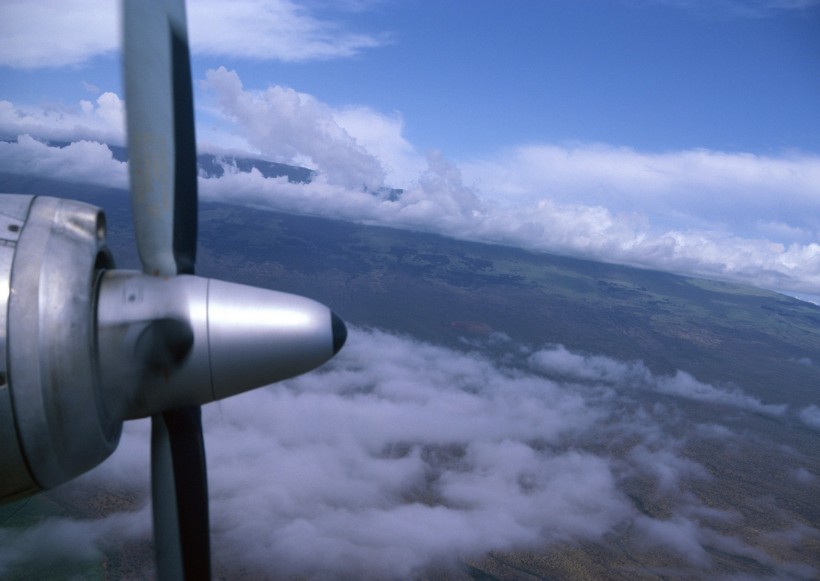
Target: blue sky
674	134
644	74
470	79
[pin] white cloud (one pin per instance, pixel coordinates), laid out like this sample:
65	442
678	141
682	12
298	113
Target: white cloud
45	34
803	476
679	534
382	136
267	30
559	361
401	455
695	189
810	416
81	161
684	385
440	202
284	124
666	466
732	216
103	120
735	216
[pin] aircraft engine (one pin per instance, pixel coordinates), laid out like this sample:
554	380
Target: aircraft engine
53	424
88	346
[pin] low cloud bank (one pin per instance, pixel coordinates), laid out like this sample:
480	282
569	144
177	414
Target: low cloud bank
81	162
102	120
440	203
635	375
401	455
733	216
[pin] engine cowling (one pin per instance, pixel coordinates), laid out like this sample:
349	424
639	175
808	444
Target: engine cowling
53	425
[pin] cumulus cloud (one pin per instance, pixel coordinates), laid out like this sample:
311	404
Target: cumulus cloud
560	360
47	35
440	201
679	534
733	216
401	455
102	120
382	136
287	125
81	161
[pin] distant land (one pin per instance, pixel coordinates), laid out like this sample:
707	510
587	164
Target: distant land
471	296
214	166
445	289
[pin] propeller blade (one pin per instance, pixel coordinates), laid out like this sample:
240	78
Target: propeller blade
161	141
180	493
162	166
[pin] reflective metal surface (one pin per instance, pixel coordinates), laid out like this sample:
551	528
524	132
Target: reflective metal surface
240	338
16	479
62	427
260	336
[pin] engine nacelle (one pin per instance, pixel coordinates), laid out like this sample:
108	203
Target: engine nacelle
85	347
53	425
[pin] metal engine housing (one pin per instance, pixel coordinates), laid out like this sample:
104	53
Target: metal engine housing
52	254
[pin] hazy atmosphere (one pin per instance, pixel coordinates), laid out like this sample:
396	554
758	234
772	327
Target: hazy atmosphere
675	135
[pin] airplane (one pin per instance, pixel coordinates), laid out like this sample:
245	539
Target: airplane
85	346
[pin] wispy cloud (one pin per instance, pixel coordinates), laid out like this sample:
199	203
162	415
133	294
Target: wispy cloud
597	368
724	9
272	30
811	416
48	35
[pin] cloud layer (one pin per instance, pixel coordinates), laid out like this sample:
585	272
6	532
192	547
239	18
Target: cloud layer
736	216
400	456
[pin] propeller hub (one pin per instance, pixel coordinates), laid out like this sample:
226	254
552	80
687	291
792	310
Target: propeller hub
179	341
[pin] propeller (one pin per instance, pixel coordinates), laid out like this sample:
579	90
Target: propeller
169	341
164	199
